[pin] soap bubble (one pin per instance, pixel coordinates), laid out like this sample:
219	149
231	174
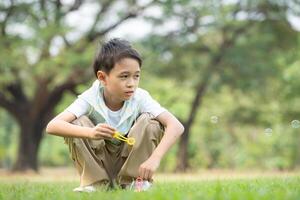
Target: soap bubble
295	124
268	131
214	119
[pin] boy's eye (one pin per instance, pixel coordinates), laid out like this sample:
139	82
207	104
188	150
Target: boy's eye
127	76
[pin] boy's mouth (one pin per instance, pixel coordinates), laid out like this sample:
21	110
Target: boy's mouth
129	93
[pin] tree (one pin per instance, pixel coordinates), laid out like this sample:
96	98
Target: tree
41	61
216	43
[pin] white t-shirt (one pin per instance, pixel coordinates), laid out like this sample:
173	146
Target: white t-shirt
80	107
91	103
114	117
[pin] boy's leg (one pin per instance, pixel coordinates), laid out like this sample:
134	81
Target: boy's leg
83	152
147	133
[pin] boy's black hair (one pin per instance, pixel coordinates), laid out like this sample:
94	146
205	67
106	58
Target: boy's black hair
113	51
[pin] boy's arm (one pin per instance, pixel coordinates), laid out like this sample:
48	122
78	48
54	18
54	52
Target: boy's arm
61	126
173	129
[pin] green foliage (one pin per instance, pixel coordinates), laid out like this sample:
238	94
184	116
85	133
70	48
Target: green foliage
291	79
8	140
169	93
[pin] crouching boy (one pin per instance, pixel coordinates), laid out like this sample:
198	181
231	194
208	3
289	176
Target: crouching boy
114	103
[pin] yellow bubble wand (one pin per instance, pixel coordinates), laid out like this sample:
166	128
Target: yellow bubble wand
129	141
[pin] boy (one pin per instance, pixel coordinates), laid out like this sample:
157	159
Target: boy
115	103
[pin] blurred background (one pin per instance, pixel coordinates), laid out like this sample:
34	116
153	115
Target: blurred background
228	69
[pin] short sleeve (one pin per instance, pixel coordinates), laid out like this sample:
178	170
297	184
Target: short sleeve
150	105
79	107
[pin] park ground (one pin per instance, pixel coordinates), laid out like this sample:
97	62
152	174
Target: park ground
57	183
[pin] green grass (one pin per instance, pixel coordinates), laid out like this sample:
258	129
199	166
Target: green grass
244	189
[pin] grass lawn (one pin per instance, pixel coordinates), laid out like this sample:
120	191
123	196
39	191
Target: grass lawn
257	188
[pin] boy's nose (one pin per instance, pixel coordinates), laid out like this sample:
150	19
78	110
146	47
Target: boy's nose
130	83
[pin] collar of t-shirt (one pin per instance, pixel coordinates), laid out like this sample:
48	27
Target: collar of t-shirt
94	96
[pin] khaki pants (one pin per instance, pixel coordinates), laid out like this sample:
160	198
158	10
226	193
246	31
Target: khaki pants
102	161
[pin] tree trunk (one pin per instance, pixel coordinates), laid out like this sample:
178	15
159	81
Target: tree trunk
182	161
30	139
32	116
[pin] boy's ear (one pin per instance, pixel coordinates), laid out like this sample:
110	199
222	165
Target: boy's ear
101	75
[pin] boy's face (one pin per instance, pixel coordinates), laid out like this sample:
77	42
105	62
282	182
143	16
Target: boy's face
122	81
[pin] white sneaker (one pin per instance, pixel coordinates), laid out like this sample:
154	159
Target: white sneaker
139	186
88	188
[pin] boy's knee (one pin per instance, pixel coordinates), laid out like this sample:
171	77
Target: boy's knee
83	121
80	121
73	142
153	128
144	117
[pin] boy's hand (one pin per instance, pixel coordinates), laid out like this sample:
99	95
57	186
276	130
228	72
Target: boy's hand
148	167
101	131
